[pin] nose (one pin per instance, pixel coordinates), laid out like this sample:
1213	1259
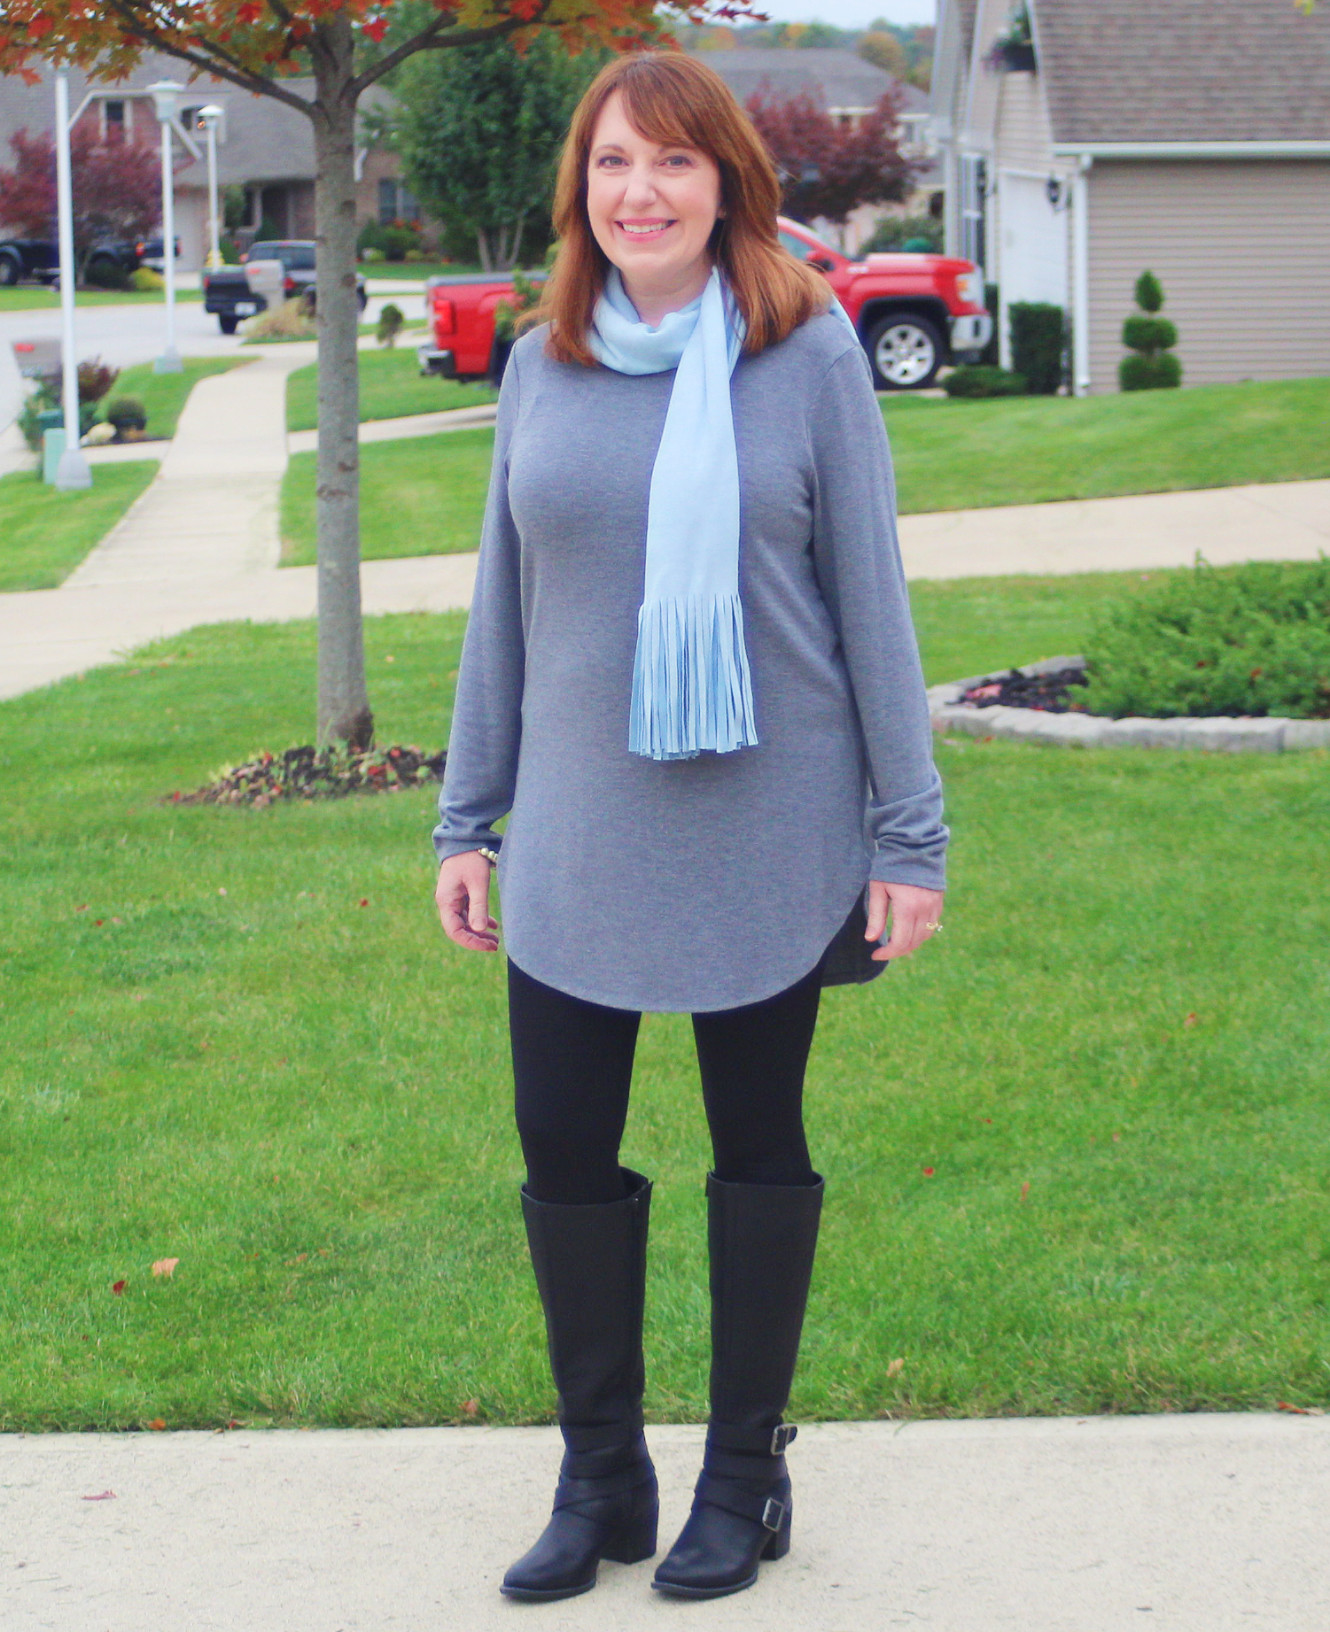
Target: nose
640	190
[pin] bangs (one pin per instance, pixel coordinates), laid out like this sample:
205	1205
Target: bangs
663	110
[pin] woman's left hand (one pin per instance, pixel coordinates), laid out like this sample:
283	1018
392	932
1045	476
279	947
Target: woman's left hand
916	916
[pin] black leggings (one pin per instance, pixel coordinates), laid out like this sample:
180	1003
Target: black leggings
573	1063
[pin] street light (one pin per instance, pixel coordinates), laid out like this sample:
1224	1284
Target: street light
72	470
164	93
208	118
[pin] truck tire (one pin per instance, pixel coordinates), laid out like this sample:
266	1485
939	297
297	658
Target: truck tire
227	322
904	352
10	271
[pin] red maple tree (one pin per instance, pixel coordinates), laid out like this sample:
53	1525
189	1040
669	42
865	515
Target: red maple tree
829	167
116	186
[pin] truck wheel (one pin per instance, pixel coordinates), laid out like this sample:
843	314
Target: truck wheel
9	271
227	323
905	352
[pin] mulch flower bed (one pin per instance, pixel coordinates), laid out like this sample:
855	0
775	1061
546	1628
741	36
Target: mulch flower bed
1051	693
322	773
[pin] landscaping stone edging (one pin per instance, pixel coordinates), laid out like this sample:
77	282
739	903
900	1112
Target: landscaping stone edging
1272	735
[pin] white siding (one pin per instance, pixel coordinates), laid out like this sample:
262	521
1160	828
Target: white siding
1024	139
1242	249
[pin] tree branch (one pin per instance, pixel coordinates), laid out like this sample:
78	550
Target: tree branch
440	35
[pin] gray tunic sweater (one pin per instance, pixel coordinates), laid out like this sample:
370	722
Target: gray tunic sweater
711	882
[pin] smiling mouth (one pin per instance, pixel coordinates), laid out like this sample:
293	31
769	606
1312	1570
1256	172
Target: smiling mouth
643	229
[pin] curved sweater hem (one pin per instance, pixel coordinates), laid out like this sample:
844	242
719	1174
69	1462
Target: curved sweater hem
790	971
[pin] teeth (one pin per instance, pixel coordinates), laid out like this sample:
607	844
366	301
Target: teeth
641	232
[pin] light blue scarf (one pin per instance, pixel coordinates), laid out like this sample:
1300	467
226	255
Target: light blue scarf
692	691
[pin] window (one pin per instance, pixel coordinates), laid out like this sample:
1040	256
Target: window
113	119
387	201
974	204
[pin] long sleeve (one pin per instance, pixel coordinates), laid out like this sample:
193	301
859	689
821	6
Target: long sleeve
481	772
859	571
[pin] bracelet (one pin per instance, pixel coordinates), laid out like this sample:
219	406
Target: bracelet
491	856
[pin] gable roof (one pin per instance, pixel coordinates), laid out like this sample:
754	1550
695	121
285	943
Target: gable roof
834	78
1184	70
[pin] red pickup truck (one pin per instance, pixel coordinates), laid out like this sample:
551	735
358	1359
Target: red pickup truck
913	312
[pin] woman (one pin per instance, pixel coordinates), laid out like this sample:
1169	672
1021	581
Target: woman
690	681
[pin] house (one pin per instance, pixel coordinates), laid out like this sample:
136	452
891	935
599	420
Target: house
263	147
847	87
1190	137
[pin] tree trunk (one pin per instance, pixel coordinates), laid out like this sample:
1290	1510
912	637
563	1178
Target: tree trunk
344	712
483	247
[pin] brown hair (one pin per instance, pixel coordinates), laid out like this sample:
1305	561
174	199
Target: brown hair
678	101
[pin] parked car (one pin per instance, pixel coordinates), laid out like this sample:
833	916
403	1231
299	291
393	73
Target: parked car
227	292
913	312
149	252
38	260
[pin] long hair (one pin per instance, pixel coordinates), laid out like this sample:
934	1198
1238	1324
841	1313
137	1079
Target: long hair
676	100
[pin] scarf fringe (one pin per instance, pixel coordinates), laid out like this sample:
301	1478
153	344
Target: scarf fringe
692	691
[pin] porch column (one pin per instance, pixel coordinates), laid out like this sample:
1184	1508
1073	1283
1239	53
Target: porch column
1080	278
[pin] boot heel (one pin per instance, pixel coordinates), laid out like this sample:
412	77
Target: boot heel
779	1543
634	1542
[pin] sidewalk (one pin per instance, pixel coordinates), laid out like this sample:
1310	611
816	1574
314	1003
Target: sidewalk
1205	1523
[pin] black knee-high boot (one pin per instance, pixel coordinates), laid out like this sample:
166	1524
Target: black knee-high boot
762	1239
590	1264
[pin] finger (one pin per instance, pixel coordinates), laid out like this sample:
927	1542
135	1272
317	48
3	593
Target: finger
907	933
478	902
878	902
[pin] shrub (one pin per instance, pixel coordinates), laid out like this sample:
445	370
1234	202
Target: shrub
1149	338
106	274
372	255
289	321
993	306
905	232
415	256
370	237
126	414
1038	344
390	324
1246	640
146	280
984	380
398	240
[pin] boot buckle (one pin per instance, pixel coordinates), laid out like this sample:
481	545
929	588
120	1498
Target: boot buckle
781	1435
773	1514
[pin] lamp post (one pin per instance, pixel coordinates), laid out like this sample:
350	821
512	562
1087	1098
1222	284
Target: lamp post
208	118
72	470
164	94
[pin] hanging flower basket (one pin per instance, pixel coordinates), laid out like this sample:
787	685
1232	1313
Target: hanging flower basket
1013	50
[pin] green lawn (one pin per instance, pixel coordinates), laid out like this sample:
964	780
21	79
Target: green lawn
414	269
1027	450
46	534
164	395
420	496
391	385
429	492
31	297
237	1038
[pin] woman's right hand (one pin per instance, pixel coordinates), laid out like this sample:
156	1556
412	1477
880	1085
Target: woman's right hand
463	898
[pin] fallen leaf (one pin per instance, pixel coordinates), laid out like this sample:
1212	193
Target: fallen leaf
165	1266
157	1424
117	1287
1025	1190
928	1172
1116	1137
364	900
1299	1410
222	890
98	922
895	1368
1192	1020
101	1496
470	1408
84	908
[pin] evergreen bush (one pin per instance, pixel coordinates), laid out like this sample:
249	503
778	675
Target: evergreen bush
984	380
1038	344
1249	640
1150	339
126	414
993	306
146	281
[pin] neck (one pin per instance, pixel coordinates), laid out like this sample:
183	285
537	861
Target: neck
654	301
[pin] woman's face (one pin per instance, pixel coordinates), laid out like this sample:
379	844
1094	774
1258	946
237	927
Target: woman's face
651	208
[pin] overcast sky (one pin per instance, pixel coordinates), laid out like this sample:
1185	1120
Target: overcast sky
848	13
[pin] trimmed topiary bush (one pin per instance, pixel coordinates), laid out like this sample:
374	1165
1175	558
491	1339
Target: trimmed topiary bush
984	380
1249	640
1150	339
126	414
1038	344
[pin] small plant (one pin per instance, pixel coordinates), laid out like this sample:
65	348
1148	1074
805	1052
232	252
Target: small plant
508	313
984	380
95	379
906	234
1012	52
390	324
372	256
127	415
1249	640
146	281
398	239
1150	338
1038	344
104	273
